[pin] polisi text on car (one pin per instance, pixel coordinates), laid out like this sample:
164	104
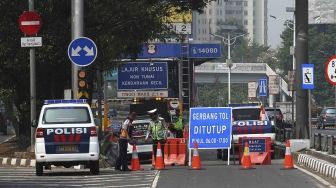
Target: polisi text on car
80	130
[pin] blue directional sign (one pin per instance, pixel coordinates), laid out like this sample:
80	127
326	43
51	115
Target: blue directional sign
160	50
82	51
262	88
143	76
205	50
307	76
210	127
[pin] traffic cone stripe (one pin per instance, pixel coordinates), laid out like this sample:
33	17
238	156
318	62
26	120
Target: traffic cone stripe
288	150
246	151
158	153
135	155
196	152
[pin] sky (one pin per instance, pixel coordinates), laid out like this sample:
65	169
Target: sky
277	8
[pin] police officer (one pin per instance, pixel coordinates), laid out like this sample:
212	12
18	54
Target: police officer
158	130
121	163
179	127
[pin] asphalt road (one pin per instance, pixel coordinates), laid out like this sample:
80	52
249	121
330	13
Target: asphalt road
60	177
214	173
218	174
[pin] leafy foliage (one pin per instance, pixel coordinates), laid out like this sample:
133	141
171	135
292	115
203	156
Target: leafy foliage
119	29
321	46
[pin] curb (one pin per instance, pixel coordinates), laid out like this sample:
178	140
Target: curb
322	167
17	162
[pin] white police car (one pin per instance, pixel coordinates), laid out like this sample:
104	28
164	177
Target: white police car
138	132
66	135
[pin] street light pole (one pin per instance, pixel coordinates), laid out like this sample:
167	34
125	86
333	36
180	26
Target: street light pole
32	87
229	65
228	62
291	9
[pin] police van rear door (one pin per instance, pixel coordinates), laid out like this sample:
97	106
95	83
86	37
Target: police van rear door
249	120
67	129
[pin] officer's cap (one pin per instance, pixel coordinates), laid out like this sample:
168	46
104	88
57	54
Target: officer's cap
152	111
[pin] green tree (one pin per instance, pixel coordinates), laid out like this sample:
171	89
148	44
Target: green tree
118	27
321	41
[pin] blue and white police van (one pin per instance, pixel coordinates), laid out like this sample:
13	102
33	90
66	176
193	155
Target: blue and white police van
249	121
66	135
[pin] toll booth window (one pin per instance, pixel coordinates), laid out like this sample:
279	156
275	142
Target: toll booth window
246	114
66	115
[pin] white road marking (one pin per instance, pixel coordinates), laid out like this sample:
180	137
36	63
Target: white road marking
54	178
156	179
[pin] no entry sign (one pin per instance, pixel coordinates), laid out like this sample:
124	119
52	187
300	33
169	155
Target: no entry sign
30	22
330	70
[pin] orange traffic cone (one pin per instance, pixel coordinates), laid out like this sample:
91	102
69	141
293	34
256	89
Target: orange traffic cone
196	160
159	164
288	162
135	163
246	159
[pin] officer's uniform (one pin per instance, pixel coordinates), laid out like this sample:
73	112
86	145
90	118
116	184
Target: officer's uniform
121	163
157	128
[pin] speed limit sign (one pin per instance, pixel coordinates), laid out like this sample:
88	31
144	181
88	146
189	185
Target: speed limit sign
330	70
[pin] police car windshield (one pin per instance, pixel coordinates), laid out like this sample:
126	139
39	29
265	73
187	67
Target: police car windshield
66	115
246	114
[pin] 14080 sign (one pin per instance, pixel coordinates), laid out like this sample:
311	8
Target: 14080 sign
205	50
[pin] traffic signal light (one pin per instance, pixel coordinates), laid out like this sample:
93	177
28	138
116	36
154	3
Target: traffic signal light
82	84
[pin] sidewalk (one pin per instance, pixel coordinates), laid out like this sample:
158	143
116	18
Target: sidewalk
6	144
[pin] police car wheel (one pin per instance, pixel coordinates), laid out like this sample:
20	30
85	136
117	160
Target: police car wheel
94	167
39	169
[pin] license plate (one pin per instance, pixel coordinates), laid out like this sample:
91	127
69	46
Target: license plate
141	141
67	149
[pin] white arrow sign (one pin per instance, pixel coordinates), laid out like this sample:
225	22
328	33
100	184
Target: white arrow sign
89	52
75	52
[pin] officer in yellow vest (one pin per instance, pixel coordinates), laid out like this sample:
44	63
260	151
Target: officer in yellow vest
158	130
179	127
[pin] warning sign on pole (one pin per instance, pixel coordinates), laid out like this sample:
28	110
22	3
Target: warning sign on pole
273	84
307	76
252	89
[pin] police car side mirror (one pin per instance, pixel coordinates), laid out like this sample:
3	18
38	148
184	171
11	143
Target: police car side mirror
34	123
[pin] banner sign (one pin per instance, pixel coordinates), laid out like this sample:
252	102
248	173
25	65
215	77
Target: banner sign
143	76
255	144
210	127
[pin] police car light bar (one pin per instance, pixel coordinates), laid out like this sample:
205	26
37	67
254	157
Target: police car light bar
57	101
242	104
